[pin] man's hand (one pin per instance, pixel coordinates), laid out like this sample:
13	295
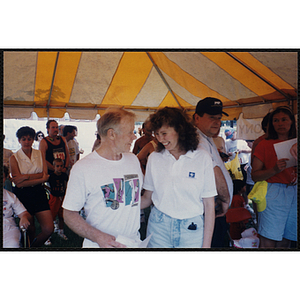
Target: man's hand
108	241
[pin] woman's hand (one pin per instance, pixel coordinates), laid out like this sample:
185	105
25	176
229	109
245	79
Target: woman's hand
280	165
45	177
19	179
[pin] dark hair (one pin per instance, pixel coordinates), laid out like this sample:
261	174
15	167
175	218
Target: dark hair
48	123
36	135
24	131
69	128
237	185
264	122
174	117
271	133
57	160
5	171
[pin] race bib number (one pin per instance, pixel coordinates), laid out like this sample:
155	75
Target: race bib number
59	153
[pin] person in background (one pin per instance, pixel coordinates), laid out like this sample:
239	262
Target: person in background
207	119
264	126
6	156
144	139
180	182
29	172
277	224
12	206
61	130
69	134
107	183
239	199
38	137
220	144
249	182
97	142
58	184
234	145
145	152
54	146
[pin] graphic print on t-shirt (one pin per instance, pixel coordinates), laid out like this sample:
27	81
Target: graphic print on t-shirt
127	187
59	153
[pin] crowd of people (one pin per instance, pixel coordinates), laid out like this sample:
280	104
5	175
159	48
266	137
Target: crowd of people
174	187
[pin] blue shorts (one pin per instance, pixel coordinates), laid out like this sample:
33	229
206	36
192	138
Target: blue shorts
279	219
168	232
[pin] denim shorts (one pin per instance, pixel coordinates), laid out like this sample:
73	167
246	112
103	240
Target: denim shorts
279	219
168	232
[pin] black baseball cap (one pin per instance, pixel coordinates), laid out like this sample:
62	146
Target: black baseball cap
211	106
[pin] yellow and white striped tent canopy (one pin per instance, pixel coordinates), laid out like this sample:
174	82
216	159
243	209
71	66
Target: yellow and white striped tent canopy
86	83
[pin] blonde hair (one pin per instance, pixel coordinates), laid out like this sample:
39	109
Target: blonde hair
112	119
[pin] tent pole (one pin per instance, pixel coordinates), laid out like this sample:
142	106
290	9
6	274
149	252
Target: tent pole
260	77
52	83
163	79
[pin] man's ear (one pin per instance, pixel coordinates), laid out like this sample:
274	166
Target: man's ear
111	134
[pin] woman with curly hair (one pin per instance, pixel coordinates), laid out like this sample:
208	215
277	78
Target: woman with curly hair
180	183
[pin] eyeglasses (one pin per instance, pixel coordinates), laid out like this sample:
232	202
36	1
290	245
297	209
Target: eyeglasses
40	135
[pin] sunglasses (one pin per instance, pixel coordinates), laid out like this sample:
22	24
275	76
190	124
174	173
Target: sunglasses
40	135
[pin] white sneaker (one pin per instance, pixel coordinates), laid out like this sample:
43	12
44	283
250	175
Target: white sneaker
48	243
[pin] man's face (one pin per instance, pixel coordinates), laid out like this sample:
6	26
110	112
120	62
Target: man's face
71	135
125	135
208	124
53	129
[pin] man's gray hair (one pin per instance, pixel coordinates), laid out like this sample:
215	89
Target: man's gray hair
111	119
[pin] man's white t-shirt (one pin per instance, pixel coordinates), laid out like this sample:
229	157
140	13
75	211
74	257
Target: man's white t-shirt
109	191
73	152
208	144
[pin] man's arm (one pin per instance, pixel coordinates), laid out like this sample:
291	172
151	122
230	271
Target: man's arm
76	223
67	160
209	221
43	148
222	189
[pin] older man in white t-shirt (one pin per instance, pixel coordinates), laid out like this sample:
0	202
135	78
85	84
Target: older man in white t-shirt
107	183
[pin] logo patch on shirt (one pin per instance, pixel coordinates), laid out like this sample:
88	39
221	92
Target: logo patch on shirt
192	174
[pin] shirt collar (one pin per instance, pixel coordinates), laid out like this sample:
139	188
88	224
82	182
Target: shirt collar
189	154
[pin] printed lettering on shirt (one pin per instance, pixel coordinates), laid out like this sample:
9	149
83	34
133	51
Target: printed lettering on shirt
72	151
59	153
122	190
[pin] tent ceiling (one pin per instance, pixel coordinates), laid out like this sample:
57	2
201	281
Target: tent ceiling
85	83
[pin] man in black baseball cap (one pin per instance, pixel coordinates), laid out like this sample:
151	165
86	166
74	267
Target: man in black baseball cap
207	119
211	106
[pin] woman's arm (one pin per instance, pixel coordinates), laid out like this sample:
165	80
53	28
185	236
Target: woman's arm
260	174
146	199
143	155
25	180
209	221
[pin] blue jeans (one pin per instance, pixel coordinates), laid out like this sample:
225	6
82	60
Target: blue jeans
168	232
